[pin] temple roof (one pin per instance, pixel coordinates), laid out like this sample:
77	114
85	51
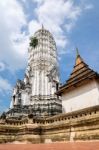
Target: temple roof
80	75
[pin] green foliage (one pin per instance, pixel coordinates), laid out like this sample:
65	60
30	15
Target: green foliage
33	42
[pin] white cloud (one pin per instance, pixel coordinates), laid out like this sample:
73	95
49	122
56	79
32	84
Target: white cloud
12	20
33	26
2	66
5	86
69	26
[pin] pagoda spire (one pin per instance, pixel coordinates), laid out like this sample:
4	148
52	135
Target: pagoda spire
42	26
78	57
77	52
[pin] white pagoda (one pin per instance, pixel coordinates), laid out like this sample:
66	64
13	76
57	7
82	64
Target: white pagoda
36	93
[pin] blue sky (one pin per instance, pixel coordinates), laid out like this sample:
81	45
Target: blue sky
73	23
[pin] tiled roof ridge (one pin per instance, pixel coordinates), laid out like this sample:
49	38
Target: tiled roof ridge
81	65
81	72
67	85
81	76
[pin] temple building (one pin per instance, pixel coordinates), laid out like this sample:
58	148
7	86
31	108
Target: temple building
81	90
42	111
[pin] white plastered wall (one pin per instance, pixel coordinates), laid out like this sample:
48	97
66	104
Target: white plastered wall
25	98
81	97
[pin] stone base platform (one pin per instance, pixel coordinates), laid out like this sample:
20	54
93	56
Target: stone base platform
77	126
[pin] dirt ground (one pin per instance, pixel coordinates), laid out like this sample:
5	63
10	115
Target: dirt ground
53	146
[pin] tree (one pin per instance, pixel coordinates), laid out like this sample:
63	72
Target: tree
33	42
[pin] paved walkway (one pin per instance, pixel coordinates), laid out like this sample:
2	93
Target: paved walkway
54	146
